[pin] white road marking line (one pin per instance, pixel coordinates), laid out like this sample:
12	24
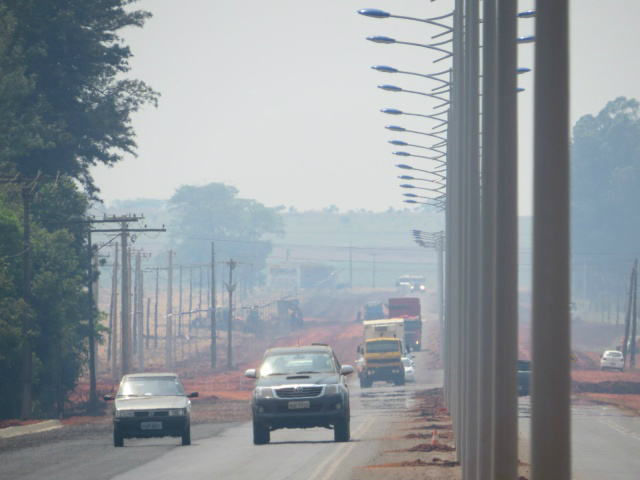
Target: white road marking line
619	428
344	452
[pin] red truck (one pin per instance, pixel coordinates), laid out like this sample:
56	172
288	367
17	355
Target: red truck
409	309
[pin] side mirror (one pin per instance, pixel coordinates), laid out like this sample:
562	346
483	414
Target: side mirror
346	370
192	395
251	373
106	398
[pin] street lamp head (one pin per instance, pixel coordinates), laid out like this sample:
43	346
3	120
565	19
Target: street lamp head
374	13
522	70
385	69
404	166
520	89
410	201
381	39
526	39
410	195
527	14
391	111
406	185
406	177
400	143
402	154
395	128
390	88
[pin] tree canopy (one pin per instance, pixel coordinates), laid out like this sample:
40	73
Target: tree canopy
65	102
214	212
605	162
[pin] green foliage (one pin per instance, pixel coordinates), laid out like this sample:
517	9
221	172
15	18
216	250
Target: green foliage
67	102
214	212
605	162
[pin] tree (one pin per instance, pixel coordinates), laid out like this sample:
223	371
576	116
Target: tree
605	162
214	212
67	102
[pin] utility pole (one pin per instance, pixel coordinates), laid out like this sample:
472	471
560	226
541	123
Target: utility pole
373	280
230	288
214	336
140	311
114	328
125	317
155	313
26	320
169	328
632	354
350	268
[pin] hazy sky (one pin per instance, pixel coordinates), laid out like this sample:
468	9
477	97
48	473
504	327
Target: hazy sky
277	97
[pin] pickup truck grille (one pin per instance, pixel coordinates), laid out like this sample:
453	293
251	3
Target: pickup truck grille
298	392
382	360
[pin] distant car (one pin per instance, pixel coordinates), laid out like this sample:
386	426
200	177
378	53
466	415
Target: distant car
612	359
409	370
300	387
524	377
151	405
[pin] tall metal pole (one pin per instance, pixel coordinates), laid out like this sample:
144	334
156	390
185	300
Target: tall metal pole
505	425
551	377
140	311
487	242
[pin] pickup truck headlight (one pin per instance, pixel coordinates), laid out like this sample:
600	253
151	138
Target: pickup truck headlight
124	413
263	392
333	389
177	412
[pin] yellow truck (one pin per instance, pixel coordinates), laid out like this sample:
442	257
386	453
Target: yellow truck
382	352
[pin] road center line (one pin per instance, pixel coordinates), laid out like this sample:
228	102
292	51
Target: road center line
342	453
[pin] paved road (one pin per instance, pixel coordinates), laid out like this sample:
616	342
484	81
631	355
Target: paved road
223	450
605	442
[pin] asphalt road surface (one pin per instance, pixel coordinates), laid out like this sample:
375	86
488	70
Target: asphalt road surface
605	442
222	450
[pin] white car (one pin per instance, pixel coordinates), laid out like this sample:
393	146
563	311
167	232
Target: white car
612	359
409	372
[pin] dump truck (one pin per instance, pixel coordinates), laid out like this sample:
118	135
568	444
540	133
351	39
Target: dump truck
382	352
409	309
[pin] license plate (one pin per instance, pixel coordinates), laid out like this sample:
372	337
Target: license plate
297	405
151	425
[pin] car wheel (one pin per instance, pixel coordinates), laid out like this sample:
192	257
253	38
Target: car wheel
261	434
341	430
118	439
186	436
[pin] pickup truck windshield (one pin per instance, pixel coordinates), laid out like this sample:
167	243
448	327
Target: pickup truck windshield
382	346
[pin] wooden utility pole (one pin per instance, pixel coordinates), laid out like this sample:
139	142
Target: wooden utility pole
214	336
169	327
230	288
148	329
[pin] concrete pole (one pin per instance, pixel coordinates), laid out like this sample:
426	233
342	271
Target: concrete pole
114	331
472	160
169	326
125	318
487	241
140	312
505	425
214	336
551	326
